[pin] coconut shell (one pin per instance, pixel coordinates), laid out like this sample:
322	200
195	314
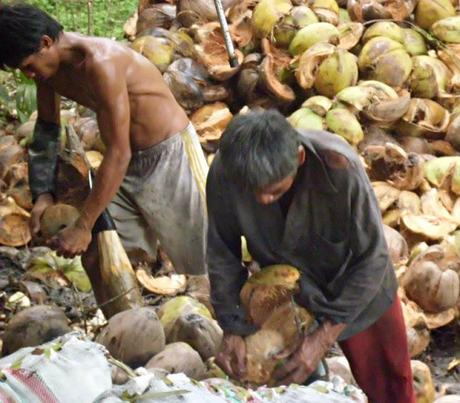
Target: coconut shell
397	246
212	52
386	194
270	82
56	218
163	285
267	289
10	155
34	326
430	11
434	289
279	335
366	10
423	382
179	358
133	336
14	224
211	120
158	15
266	297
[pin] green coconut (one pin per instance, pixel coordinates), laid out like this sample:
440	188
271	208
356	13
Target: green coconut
267	14
326	10
318	104
429	77
437	169
159	51
336	72
344	123
387	29
447	29
311	34
350	34
344	17
430	11
305	118
386	60
414	42
299	17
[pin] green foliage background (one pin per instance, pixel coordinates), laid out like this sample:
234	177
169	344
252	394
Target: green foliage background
107	17
94	17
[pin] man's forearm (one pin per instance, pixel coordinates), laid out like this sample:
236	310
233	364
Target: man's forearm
109	178
330	332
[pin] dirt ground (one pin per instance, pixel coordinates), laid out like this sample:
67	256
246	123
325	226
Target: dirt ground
443	349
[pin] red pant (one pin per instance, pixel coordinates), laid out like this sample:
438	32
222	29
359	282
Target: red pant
379	359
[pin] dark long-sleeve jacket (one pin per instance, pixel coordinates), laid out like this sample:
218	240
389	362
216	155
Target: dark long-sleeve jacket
332	233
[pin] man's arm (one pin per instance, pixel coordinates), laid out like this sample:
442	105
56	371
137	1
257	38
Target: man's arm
113	117
42	153
226	272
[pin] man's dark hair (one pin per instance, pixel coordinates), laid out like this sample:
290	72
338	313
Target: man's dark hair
21	28
258	149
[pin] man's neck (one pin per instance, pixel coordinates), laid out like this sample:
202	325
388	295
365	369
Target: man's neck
70	49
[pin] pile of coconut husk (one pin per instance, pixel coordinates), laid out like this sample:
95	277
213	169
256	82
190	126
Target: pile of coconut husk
382	75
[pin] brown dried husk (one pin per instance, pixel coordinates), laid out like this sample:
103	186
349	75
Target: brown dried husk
270	82
267	289
424	118
366	10
386	194
279	336
391	163
211	120
266	297
212	53
14	224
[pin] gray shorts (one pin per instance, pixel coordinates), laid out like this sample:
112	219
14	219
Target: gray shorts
162	198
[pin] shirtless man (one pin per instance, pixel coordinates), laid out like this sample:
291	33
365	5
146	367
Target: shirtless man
153	174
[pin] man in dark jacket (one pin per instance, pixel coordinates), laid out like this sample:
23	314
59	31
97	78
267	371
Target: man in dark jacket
303	199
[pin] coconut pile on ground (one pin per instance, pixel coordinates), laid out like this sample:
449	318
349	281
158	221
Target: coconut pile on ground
382	75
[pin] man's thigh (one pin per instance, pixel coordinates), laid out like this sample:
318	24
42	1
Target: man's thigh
172	202
137	237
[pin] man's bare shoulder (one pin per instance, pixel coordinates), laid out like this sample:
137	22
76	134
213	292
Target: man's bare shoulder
98	52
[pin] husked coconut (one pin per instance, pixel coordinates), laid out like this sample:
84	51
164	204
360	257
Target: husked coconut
57	217
187	320
423	382
133	336
34	326
431	287
179	358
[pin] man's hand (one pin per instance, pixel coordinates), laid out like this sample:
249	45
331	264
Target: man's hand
303	362
41	204
232	356
71	241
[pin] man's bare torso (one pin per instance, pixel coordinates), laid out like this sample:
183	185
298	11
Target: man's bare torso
154	113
